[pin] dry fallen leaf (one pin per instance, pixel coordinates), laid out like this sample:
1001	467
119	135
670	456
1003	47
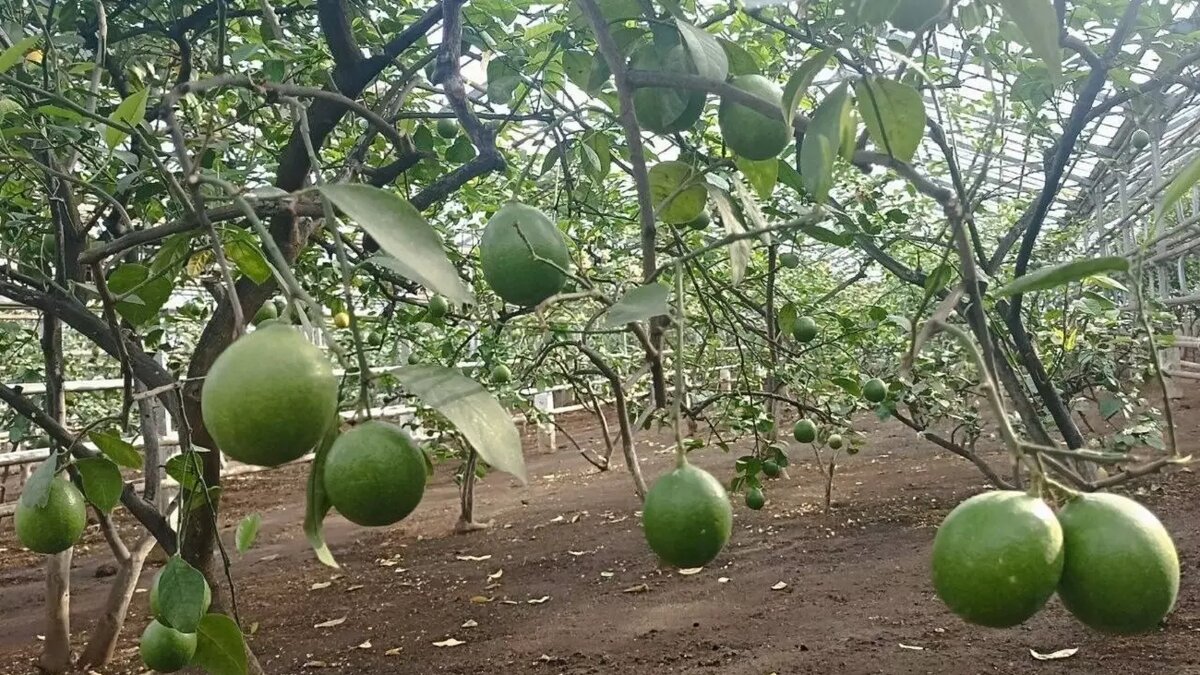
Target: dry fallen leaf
1054	656
640	588
779	586
365	645
394	651
319	585
269	558
558	520
577	553
473	558
470	623
480	599
330	623
354	588
723	580
495	575
538	601
315	664
449	642
606	575
912	647
687	572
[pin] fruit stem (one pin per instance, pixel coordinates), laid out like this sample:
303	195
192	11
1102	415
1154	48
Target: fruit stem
680	451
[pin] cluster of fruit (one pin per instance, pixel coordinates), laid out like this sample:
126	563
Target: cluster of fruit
163	648
999	556
270	397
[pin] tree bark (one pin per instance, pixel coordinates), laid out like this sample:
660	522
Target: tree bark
107	633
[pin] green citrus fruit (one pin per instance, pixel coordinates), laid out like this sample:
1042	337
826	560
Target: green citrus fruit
913	15
748	132
516	243
165	649
341	320
55	527
413	358
699	222
834	441
1139	139
771	469
375	338
1122	572
789	260
375	474
664	109
501	374
804	431
755	499
447	128
266	313
875	390
438	307
687	518
805	329
269	396
997	558
154	609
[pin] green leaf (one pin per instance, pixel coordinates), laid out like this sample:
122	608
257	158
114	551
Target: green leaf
172	254
761	174
461	150
872	12
894	114
790	177
140	294
577	64
129	113
602	147
1038	22
798	84
247	532
677	194
739	250
1180	184
851	386
1109	406
220	647
37	487
787	319
317	502
822	141
13	55
1105	281
1061	275
477	415
404	234
849	135
117	449
828	236
741	62
182	469
181	591
249	260
707	54
102	483
938	278
639	304
502	80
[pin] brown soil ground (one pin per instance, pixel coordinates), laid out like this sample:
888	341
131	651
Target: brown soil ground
563	583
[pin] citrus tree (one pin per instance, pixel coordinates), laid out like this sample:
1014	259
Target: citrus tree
755	221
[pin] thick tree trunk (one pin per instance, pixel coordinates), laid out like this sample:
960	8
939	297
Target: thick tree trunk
56	650
107	632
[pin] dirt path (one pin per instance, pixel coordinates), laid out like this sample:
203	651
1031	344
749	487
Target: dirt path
564	583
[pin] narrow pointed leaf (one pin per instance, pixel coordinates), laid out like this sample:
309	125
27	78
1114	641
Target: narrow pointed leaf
822	141
639	304
37	488
1060	275
247	532
317	502
477	415
739	251
404	234
798	84
1180	184
129	113
13	55
117	449
706	51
